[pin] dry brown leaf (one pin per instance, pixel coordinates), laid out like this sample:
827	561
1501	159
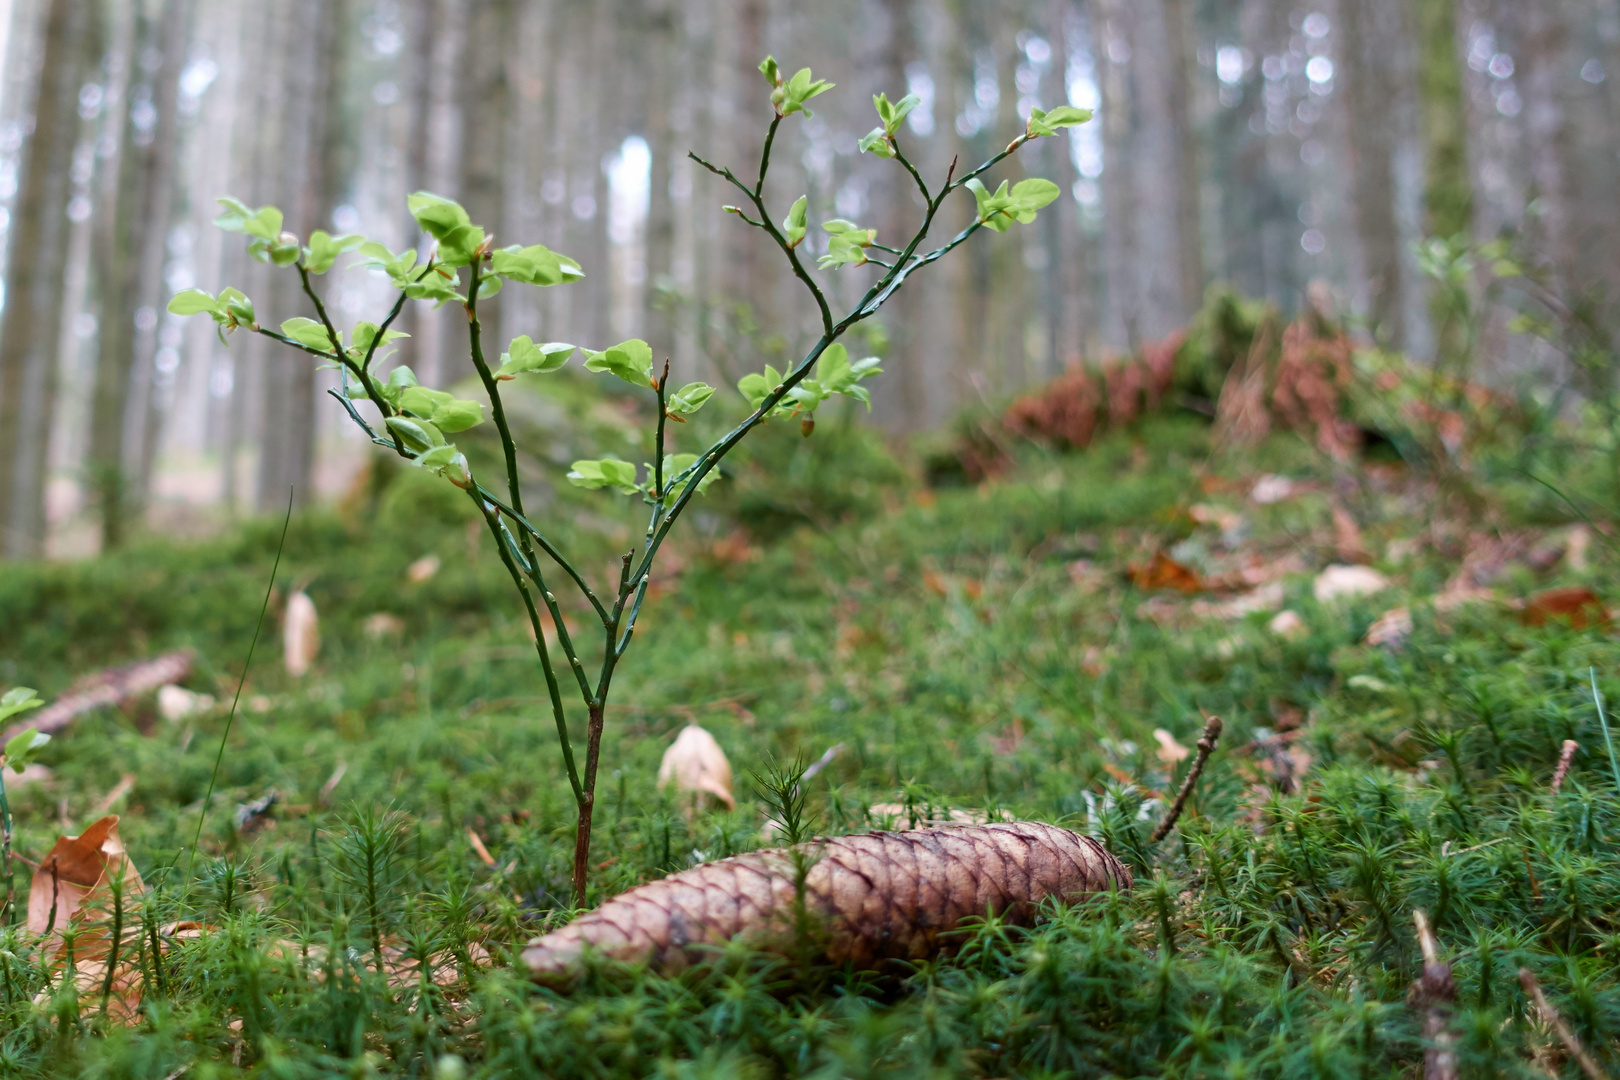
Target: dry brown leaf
1267	597
1579	607
695	764
1347	543
175	703
1287	624
1340	581
876	897
1170	751
1163	572
1391	629
1577	547
422	569
1272	488
381	624
74	884
301	635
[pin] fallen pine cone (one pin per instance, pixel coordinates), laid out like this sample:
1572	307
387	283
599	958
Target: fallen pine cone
877	896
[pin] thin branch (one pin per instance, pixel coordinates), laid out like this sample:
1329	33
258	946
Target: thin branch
1550	1017
548	547
928	200
1434	994
1206	746
503	545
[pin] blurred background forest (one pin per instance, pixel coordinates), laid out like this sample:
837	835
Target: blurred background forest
1272	145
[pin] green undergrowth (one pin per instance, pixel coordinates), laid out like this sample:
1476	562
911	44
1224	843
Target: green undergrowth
980	649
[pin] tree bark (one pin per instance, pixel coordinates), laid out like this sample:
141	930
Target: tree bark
1368	104
1183	60
30	326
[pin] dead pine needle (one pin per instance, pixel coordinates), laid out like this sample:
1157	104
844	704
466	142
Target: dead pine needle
1550	1017
1566	757
1433	995
1206	746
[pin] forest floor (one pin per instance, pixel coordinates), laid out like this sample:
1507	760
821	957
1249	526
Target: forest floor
1398	665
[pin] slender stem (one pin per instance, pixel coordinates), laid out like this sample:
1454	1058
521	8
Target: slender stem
1597	699
658	448
928	200
1206	746
504	547
548	547
10	911
247	665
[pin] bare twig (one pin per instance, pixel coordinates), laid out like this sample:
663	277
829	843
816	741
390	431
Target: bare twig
1434	993
1206	746
111	687
1565	759
1550	1017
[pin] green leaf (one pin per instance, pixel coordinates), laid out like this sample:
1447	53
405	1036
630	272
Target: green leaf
458	414
446	221
418	436
808	395
769	69
1030	195
437	284
606	472
535	265
790	97
309	332
842	252
399	380
194	302
238	308
264	223
877	142
629	360
448	462
1048	123
364	333
674	465
23	748
794	224
18	699
524	357
689	399
894	115
421	401
323	250
999	210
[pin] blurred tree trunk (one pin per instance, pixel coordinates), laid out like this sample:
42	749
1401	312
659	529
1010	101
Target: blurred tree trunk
125	421
1544	69
30	326
660	47
1448	195
1448	192
309	179
482	101
1183	61
1368	89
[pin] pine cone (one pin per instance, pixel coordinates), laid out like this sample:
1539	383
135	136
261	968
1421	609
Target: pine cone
873	897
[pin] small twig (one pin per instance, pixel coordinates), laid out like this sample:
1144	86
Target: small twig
1565	759
1206	746
1550	1017
1434	994
820	763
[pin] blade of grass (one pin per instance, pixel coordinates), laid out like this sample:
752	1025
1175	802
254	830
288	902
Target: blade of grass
247	666
1597	699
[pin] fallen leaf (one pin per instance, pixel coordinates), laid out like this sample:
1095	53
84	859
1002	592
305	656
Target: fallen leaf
74	884
1339	581
301	636
1575	551
175	703
1266	598
1271	488
1287	624
695	764
1170	751
422	569
1580	607
1347	543
478	847
1163	572
1391	629
381	624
